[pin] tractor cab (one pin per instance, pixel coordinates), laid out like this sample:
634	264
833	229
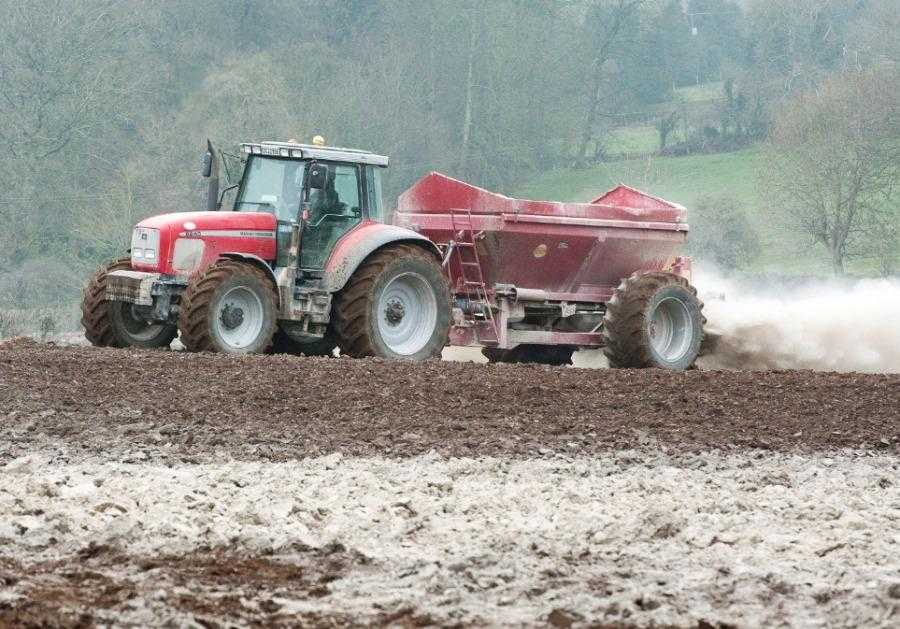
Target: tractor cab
328	190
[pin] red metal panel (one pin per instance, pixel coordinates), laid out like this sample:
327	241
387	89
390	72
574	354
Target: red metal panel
222	232
580	249
626	196
354	246
438	194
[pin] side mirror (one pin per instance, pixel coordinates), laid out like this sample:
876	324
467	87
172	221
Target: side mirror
316	176
211	172
206	165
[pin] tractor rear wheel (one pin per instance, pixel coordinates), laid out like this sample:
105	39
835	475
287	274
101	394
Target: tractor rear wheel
396	305
556	355
229	308
117	323
653	320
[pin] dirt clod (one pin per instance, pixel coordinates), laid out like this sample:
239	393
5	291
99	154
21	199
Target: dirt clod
283	407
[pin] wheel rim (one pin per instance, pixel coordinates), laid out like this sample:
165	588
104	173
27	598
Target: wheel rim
136	326
671	329
239	317
407	313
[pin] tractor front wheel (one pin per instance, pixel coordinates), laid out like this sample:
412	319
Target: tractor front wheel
95	308
653	320
135	331
396	305
116	323
229	308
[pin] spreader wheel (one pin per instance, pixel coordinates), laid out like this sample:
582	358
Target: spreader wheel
556	355
396	305
653	320
229	308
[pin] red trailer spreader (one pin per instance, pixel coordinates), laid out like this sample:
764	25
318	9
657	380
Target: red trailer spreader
303	263
538	273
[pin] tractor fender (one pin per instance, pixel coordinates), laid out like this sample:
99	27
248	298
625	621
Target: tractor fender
254	260
362	242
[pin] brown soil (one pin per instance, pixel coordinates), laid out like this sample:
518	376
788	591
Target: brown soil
213	588
162	405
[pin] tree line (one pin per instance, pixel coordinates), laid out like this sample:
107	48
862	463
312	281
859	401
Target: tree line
105	104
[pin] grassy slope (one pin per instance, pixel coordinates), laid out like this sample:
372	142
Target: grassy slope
685	180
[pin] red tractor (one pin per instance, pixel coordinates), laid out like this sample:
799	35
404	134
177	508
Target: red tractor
304	263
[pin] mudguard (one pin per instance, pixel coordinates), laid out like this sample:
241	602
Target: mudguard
252	259
359	244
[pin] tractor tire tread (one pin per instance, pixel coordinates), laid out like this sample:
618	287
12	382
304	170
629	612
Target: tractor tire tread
351	304
95	308
624	319
192	320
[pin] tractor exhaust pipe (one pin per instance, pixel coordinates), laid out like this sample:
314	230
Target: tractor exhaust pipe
210	172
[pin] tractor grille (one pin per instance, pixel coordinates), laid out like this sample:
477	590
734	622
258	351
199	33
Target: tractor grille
130	286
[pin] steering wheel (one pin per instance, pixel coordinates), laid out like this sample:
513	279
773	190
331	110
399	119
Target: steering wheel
325	217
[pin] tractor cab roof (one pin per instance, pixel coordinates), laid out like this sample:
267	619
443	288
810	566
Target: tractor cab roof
312	151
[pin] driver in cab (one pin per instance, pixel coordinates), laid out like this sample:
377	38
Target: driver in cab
325	200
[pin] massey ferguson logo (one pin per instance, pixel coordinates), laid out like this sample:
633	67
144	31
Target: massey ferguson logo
227	233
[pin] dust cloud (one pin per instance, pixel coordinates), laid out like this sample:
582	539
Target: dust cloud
851	325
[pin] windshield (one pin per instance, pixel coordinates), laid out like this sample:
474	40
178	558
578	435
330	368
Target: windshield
271	185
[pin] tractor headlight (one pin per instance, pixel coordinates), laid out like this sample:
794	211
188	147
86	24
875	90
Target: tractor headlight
144	245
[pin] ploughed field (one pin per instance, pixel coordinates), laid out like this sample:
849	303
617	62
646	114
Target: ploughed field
143	487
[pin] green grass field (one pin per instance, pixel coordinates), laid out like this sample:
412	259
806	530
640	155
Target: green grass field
644	138
701	93
636	139
685	180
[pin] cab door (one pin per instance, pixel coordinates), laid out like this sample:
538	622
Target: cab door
333	211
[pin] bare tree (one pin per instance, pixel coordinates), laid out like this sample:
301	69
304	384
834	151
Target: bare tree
665	125
609	18
833	162
60	73
873	37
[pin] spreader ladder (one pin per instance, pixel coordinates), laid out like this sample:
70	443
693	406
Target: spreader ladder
471	275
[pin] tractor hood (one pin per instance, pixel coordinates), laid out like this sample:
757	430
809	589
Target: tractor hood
184	243
192	221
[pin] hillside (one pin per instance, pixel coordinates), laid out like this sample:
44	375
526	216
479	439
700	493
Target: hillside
686	180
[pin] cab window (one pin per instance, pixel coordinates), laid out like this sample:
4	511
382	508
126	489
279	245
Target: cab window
271	185
334	210
373	191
